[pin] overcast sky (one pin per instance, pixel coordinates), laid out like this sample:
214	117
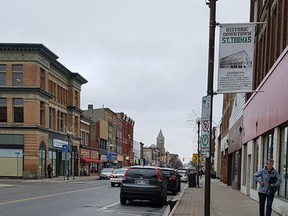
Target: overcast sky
146	58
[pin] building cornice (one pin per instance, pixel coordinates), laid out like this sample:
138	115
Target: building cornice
26	90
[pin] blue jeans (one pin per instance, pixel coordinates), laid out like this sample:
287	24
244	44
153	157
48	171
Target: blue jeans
262	200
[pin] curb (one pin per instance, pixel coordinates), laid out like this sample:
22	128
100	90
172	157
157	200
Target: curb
177	203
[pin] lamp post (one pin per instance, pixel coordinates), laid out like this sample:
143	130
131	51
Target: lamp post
198	121
70	136
210	92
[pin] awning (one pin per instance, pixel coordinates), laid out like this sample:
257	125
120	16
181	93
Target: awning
89	160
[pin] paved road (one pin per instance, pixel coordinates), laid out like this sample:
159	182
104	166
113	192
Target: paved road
73	198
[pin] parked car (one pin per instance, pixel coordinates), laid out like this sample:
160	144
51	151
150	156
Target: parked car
117	176
106	173
184	174
144	183
173	180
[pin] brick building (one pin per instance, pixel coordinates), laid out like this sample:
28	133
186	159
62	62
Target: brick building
262	128
113	133
39	107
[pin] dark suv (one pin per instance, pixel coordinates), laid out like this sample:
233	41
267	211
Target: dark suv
173	180
144	183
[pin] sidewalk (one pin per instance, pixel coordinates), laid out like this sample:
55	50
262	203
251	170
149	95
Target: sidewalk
224	201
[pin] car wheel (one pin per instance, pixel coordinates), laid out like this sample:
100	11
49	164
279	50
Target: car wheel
112	184
123	201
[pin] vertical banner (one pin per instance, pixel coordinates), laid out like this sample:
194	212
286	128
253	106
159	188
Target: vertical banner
236	50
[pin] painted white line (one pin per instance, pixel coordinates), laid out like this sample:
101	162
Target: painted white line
49	195
108	206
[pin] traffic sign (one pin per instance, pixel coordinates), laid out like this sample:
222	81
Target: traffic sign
64	148
195	158
206	106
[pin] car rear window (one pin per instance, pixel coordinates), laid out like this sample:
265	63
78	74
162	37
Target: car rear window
167	172
142	173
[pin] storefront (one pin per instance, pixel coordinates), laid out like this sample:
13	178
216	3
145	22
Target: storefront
11	155
89	162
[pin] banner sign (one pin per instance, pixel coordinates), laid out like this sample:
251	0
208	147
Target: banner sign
236	50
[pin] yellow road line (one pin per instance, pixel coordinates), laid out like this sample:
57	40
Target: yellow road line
45	196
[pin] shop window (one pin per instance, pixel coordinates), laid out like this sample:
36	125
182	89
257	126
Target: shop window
283	191
42	159
18	110
267	148
3	110
255	160
2	75
17	75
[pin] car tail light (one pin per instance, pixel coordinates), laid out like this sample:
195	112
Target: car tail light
158	176
111	176
173	178
126	173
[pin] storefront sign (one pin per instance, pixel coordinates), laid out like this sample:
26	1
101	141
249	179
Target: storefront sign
59	143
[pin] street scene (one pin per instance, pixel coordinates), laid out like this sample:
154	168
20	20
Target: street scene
144	108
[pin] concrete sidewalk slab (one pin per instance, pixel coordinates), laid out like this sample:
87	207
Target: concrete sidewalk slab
224	201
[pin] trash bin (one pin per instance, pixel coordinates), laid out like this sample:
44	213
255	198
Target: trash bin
192	180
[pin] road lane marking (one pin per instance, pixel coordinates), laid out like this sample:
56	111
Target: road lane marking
49	195
108	206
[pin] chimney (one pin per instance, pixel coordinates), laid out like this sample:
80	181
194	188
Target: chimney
90	106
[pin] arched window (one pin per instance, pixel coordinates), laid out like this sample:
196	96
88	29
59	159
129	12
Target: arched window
42	159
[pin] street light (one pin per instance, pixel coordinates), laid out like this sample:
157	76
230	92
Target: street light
198	121
70	135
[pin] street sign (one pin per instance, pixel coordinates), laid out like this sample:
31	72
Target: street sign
205	125
206	106
64	148
195	158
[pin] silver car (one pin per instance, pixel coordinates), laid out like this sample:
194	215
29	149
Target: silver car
117	176
106	173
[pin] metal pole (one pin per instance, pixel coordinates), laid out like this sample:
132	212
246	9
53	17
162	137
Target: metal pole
64	171
198	158
17	153
210	91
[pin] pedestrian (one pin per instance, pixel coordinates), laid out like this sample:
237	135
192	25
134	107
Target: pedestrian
200	173
49	170
269	181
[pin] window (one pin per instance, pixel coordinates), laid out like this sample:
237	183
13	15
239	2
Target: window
83	138
42	78
87	139
283	191
18	110
255	159
17	75
61	121
2	75
76	99
42	113
267	148
3	110
51	118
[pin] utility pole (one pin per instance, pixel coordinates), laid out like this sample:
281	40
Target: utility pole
210	92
